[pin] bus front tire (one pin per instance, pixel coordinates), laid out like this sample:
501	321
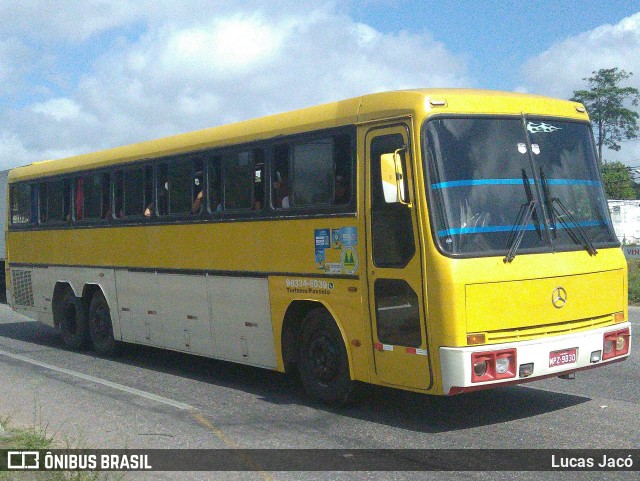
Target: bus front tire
71	320
322	360
101	328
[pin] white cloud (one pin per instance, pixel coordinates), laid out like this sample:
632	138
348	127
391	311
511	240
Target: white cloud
225	47
211	63
561	69
59	109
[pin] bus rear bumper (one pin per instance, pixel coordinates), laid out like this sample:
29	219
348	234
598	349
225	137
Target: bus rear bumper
548	357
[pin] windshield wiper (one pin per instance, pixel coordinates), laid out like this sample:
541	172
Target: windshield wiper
525	214
548	202
559	213
576	232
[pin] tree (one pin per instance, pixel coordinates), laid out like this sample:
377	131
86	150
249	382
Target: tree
605	101
617	180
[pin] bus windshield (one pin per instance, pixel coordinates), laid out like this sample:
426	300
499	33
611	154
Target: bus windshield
490	178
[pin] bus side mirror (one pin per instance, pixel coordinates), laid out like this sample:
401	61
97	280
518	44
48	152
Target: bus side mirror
392	176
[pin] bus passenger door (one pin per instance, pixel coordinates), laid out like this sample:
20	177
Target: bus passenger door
396	299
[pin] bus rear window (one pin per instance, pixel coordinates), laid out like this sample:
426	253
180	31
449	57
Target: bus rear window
21	203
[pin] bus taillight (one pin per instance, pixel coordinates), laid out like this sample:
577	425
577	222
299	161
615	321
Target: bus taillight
493	365
615	344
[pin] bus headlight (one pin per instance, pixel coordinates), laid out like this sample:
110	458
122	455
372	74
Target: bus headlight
502	365
480	368
493	365
608	346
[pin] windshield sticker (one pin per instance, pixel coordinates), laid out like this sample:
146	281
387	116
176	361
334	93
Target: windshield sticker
535	128
535	148
522	148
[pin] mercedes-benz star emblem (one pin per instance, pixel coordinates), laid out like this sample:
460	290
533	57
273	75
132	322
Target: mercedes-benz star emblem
559	297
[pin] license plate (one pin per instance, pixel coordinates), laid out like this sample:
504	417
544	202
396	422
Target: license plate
560	358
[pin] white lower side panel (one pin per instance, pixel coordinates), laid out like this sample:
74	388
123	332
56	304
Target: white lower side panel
456	362
222	317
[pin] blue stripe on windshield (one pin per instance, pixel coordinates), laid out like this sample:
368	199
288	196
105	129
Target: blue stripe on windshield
592	183
508	228
472	182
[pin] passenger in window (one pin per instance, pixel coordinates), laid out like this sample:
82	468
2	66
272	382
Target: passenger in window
282	192
196	206
341	192
148	211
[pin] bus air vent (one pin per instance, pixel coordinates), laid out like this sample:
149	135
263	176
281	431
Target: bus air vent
22	288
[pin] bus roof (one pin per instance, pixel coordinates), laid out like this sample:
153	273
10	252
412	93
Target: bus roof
367	108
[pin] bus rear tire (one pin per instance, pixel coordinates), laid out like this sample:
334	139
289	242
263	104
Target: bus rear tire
101	327
71	320
322	360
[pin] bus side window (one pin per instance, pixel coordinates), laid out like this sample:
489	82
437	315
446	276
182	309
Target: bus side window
313	171
133	192
280	180
34	203
118	194
55	204
79	198
197	186
66	200
89	200
105	198
21	195
343	160
147	191
177	187
214	183
162	189
238	179
258	184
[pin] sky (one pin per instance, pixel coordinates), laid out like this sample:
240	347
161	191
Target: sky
83	75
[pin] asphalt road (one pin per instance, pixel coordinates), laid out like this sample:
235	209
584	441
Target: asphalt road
149	398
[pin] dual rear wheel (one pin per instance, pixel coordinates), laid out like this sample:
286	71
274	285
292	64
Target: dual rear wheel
80	327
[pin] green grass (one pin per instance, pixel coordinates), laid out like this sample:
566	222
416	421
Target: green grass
634	282
34	439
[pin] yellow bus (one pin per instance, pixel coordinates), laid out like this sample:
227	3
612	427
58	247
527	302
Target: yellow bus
438	241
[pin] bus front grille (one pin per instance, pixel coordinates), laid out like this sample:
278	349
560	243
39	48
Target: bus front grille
556	329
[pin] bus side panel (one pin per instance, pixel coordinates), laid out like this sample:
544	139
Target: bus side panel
241	320
220	317
184	305
138	302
